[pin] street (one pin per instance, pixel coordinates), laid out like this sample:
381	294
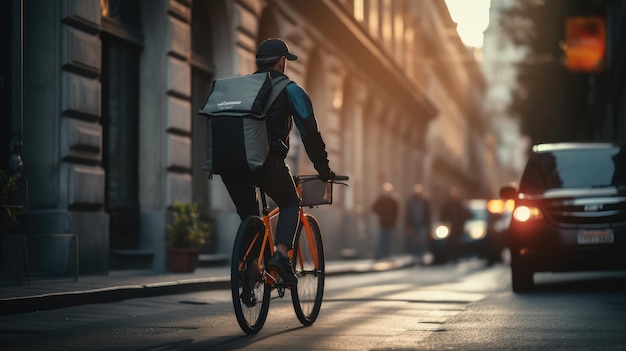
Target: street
136	133
466	306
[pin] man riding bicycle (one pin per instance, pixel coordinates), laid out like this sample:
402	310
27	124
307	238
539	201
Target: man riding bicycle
274	177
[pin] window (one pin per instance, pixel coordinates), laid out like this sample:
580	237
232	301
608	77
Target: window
121	47
576	168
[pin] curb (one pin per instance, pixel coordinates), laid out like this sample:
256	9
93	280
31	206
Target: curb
35	303
52	301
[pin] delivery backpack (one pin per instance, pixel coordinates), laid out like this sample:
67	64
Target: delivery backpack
236	108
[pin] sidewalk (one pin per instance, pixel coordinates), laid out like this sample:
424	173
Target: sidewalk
121	285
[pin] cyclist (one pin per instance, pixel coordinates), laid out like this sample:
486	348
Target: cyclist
274	176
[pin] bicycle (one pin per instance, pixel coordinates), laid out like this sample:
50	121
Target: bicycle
252	283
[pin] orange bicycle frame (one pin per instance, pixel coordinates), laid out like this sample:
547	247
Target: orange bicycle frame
268	239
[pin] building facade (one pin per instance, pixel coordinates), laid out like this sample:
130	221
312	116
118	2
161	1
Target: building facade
500	59
101	99
458	147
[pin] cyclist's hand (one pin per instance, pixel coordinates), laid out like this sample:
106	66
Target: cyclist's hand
326	176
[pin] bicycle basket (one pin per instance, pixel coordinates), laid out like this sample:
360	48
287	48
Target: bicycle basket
316	192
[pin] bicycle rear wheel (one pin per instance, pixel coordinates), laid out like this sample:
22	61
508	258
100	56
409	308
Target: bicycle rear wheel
307	295
250	293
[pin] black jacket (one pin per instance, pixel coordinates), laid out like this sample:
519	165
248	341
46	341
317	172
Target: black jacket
293	105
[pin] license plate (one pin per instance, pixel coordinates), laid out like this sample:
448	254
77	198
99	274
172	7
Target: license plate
590	237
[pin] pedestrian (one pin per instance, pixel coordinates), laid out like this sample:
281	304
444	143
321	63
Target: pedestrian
293	104
418	220
386	208
455	214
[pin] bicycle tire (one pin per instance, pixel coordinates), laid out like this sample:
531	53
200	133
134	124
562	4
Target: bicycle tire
307	295
251	311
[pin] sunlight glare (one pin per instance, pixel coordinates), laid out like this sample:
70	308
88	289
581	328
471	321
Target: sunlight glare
472	18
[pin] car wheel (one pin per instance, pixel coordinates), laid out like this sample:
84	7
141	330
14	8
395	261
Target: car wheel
521	277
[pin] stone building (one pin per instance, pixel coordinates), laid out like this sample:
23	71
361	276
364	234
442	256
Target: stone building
103	98
501	57
458	146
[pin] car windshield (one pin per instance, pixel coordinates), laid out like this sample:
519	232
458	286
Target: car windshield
574	168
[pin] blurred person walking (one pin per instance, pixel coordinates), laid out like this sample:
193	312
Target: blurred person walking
455	214
386	208
418	221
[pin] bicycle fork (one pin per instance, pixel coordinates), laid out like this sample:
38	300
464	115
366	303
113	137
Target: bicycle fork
311	242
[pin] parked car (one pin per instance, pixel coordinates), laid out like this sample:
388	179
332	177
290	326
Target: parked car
484	233
570	211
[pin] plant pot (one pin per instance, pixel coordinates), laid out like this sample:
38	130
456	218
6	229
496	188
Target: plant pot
182	260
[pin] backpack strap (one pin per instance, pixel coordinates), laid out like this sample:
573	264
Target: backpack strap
278	84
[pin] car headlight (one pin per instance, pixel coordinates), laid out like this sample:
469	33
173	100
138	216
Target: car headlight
495	206
527	213
476	229
441	232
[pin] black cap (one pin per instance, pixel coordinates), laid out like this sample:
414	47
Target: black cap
274	47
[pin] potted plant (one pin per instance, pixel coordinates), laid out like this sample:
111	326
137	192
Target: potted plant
13	261
9	212
185	235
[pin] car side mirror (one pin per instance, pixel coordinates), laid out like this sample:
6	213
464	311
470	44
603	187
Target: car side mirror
508	192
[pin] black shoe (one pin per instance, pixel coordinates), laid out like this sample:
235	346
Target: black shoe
281	264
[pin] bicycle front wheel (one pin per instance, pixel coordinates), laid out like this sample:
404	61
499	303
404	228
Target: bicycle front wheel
308	264
250	293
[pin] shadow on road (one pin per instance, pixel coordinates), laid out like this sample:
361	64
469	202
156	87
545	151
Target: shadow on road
603	281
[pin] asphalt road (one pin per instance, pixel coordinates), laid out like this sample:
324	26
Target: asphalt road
452	307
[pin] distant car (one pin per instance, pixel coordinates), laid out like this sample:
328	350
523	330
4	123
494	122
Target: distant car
484	233
570	211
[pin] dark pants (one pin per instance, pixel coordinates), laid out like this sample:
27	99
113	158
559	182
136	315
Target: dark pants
383	245
277	182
